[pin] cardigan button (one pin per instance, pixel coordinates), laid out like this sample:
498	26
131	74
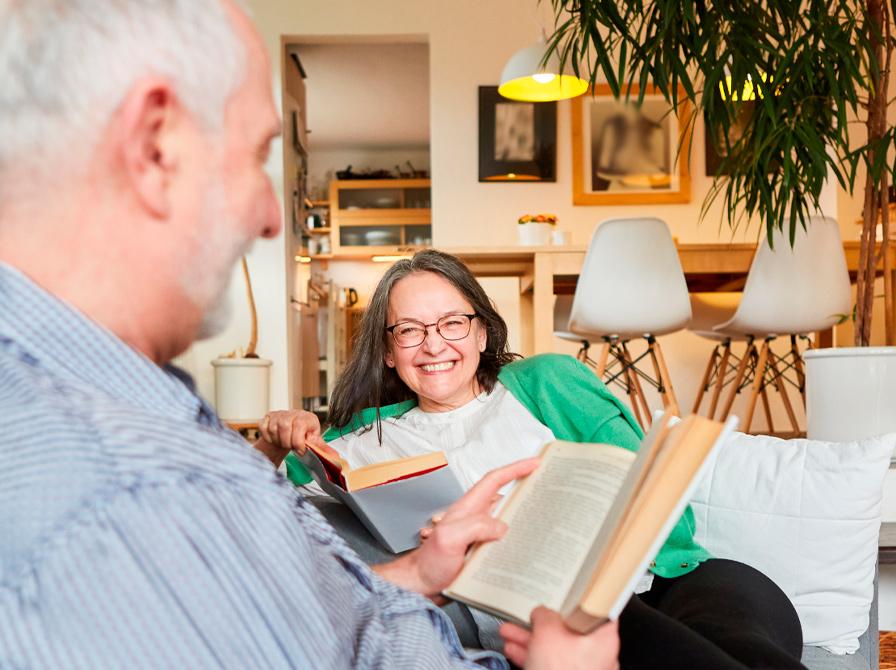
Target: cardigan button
684	565
652	564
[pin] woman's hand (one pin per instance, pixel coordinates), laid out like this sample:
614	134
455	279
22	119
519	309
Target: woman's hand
433	566
551	644
283	431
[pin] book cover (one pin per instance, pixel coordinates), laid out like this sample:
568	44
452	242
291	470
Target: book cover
393	511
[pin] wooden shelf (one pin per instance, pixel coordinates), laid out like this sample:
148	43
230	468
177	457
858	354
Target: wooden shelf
318	231
319	203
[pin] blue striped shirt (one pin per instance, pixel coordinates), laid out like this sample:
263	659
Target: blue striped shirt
136	531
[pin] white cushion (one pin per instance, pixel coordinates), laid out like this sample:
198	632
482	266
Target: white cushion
807	514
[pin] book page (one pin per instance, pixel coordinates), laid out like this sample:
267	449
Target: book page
554	516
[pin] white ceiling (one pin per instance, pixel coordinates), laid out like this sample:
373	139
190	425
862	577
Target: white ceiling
367	96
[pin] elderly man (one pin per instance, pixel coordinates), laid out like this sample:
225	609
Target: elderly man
133	136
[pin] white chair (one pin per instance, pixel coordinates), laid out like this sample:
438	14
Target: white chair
631	286
790	291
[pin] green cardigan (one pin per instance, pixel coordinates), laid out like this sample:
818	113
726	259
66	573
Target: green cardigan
568	398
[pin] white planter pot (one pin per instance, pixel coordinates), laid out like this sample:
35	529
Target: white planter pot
242	388
850	392
534	234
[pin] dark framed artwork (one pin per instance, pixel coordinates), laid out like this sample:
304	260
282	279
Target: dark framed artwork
517	140
628	155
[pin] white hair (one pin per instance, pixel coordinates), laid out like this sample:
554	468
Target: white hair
66	66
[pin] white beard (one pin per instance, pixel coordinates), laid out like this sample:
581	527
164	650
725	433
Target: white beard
216	249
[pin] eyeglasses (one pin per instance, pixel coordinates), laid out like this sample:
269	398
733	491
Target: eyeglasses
412	333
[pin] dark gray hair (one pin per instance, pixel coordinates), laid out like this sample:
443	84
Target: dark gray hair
368	382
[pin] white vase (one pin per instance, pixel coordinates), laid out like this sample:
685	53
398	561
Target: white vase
534	234
242	388
850	392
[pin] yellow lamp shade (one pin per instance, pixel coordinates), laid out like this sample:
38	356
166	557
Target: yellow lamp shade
525	79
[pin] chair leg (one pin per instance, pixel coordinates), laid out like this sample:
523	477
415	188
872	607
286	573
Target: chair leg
798	366
738	378
636	385
782	391
768	410
670	402
720	378
582	353
602	361
758	381
704	383
630	387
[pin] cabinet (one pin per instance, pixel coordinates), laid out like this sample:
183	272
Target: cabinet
379	216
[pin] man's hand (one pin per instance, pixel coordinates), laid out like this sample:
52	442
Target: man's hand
283	431
431	568
552	645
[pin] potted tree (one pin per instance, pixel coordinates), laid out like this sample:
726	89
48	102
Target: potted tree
817	71
242	379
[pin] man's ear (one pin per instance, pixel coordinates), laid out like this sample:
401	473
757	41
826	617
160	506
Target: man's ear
148	125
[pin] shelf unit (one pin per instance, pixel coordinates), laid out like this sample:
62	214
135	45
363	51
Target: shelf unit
379	216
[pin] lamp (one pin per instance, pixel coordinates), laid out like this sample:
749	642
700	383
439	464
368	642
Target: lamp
525	78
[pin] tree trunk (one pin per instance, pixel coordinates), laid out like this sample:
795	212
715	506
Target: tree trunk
253	338
875	200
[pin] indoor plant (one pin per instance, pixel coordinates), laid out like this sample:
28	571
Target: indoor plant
242	379
535	229
815	66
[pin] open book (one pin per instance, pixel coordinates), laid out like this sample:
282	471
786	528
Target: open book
393	499
585	525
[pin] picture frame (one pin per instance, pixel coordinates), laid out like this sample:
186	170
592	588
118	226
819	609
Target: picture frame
517	140
626	155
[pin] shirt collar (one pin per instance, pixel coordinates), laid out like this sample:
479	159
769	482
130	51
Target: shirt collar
68	344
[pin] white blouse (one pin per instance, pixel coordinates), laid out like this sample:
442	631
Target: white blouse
491	430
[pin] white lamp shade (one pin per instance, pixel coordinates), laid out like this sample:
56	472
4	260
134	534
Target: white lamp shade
524	78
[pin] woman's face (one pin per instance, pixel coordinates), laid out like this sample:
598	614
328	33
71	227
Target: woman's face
441	372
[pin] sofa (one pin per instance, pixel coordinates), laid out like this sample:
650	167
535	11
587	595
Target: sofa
804	512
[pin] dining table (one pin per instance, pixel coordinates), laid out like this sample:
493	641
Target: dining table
544	271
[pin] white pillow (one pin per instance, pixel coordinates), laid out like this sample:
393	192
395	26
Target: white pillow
807	514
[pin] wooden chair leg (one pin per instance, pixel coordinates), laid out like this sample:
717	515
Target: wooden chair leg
768	411
582	353
782	391
720	378
602	360
630	386
798	366
738	378
758	381
636	384
670	402
704	383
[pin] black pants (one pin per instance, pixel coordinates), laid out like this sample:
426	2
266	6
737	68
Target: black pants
722	615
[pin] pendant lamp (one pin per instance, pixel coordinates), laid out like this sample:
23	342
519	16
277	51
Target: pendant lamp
525	78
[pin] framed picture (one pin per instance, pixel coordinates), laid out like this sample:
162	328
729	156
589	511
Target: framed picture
517	140
626	155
